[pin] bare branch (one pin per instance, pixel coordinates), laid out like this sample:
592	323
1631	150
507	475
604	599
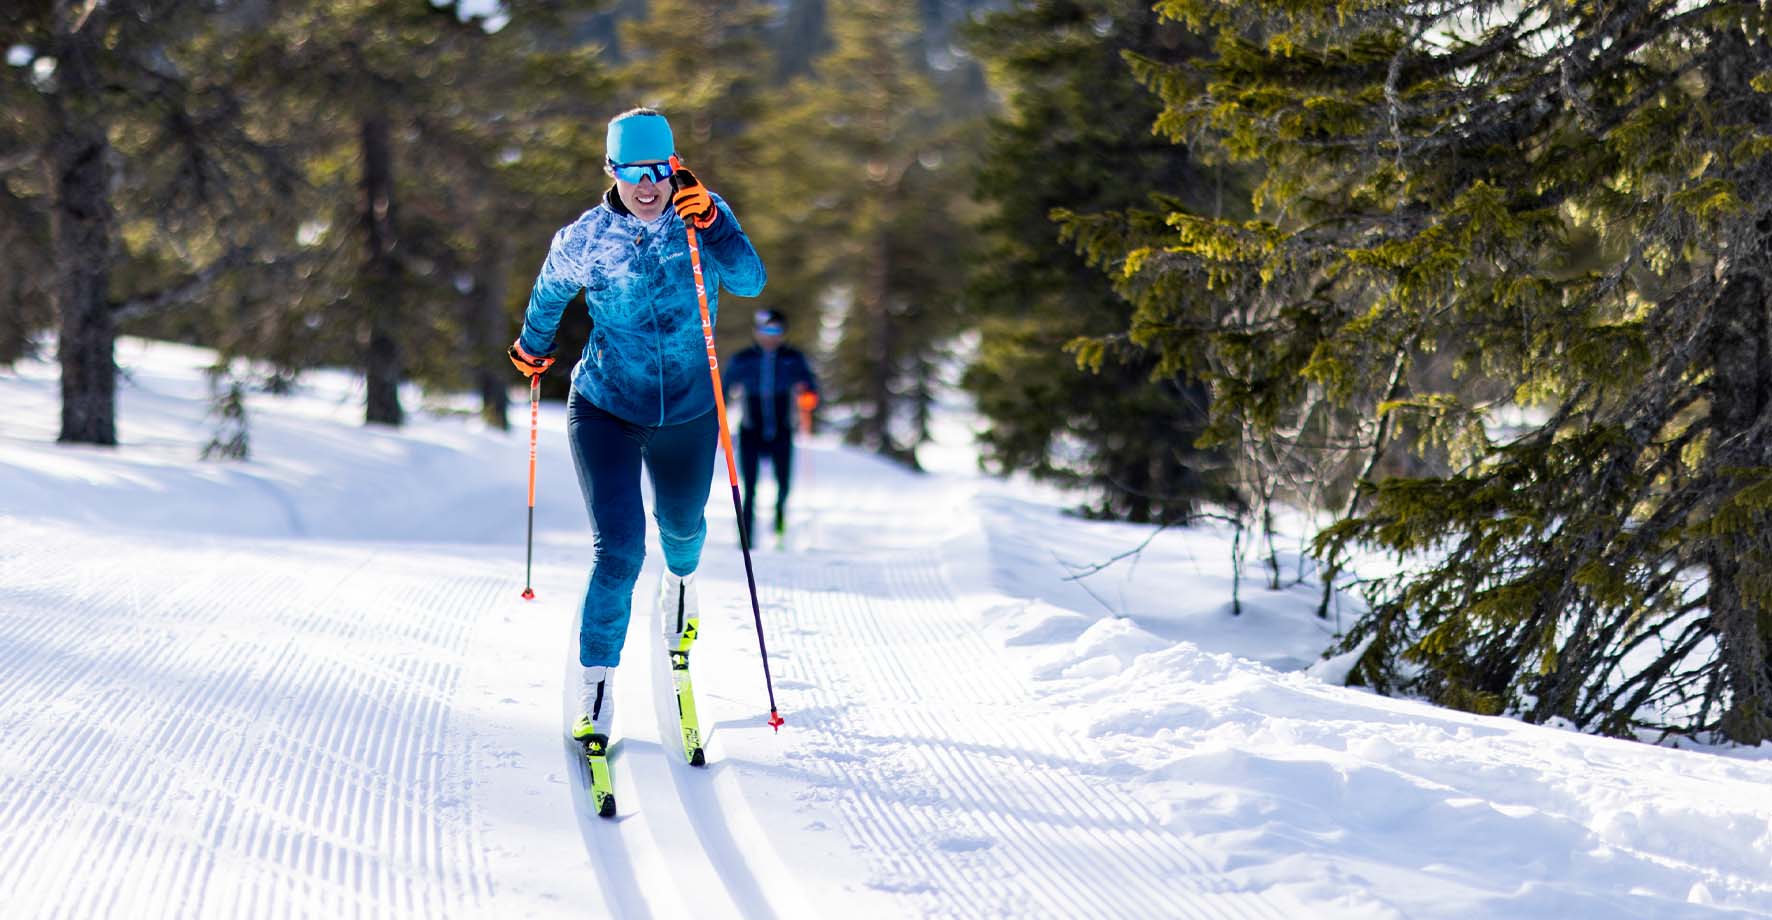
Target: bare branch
181	291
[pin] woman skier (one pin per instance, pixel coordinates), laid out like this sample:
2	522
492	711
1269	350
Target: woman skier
641	394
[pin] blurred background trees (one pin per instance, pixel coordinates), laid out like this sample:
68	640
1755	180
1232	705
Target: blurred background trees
1075	133
1480	286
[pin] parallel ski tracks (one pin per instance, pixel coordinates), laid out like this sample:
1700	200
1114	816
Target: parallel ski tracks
967	808
205	732
682	844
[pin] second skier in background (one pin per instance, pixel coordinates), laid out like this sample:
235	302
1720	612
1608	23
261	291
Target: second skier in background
774	379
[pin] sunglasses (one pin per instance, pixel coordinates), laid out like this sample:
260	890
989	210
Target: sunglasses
633	172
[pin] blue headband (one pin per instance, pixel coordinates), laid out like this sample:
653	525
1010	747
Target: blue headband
638	138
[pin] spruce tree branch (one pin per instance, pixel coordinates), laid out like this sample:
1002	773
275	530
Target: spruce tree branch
1501	42
1649	680
1511	118
1601	702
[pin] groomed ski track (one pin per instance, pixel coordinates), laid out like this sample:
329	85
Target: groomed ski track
683	843
909	737
204	726
200	728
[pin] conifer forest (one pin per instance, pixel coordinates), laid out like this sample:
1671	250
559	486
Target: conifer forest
1480	291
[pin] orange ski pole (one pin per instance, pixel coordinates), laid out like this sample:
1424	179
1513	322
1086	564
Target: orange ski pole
707	331
534	423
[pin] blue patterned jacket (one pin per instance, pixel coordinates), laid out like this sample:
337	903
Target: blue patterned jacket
646	361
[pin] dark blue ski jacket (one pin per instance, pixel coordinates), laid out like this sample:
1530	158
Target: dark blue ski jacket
768	380
646	361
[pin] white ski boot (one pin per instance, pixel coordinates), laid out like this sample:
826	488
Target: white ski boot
596	703
596	695
679	611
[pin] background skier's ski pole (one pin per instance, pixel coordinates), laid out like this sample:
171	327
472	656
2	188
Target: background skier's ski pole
707	331
534	423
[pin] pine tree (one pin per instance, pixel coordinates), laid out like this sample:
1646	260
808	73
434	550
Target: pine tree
25	260
412	117
117	93
227	405
861	174
1569	203
25	278
1077	132
802	37
705	67
513	158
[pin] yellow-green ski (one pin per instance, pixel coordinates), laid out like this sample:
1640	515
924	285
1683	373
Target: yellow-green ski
596	750
686	718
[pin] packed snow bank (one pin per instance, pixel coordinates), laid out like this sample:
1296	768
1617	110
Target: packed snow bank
1332	795
316	471
1171	585
1308	787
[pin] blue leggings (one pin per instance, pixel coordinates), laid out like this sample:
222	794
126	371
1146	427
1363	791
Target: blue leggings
751	449
607	451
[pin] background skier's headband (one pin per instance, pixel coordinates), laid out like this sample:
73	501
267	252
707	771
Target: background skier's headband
769	322
634	172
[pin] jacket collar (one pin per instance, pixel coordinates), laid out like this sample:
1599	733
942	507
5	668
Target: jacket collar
613	202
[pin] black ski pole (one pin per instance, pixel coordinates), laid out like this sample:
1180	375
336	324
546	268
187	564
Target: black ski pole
534	423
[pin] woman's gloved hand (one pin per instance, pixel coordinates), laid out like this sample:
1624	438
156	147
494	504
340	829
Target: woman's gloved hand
691	198
527	364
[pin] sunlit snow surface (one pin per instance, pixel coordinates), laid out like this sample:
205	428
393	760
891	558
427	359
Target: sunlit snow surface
306	686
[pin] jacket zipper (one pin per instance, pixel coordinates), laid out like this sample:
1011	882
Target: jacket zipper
657	340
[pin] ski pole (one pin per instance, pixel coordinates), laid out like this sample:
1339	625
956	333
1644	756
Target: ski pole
707	331
534	423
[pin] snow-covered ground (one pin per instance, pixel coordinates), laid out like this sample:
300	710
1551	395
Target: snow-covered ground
306	686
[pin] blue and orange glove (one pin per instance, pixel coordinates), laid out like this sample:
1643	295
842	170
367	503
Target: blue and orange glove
691	198
527	364
807	401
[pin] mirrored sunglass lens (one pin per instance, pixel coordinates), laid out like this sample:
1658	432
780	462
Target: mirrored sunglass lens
633	174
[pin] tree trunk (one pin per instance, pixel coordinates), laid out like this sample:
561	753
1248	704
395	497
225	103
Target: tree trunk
82	244
1740	394
26	274
1741	391
381	276
493	372
878	299
803	36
